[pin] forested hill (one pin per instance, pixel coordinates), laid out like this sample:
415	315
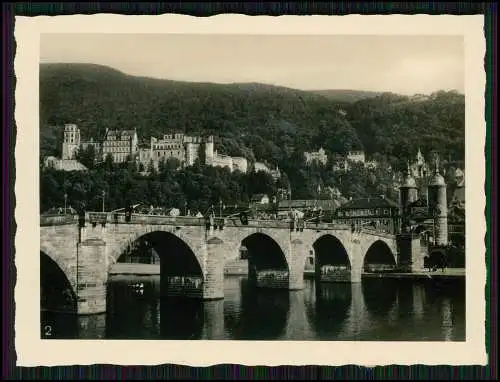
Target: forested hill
253	120
397	125
345	95
262	122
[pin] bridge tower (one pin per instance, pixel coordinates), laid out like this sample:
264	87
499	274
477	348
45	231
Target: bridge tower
408	193
409	250
438	207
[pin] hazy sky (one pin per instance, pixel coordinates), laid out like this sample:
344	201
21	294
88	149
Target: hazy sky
401	64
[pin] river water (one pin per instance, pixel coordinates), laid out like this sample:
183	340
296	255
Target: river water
374	310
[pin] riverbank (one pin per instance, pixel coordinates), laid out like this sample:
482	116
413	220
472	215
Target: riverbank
239	269
449	273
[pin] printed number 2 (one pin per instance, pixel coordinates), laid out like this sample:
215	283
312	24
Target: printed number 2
47	330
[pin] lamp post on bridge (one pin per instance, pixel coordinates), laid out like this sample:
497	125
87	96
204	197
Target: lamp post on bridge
65	203
220	208
103	197
185	207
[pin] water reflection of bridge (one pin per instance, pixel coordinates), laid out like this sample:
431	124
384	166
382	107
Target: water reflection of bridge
359	311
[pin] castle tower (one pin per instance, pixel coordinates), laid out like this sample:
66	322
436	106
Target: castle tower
408	193
71	141
438	207
209	150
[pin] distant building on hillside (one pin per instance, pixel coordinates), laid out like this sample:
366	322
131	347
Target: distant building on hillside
419	168
63	164
458	197
259	199
356	156
72	143
316	156
340	162
258	166
371	164
184	148
122	145
187	149
275	173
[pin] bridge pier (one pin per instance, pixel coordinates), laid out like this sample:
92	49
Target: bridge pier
91	276
297	260
356	272
410	257
213	285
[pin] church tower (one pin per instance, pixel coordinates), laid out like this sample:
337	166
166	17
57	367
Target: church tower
438	207
71	141
408	193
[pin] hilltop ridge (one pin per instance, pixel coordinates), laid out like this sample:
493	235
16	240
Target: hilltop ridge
253	120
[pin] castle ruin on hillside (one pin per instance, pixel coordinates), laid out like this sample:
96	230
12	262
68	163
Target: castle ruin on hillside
123	146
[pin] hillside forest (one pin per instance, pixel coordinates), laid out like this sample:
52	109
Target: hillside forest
264	123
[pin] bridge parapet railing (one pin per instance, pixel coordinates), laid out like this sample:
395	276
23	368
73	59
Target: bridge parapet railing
327	226
50	220
156	219
374	232
283	223
263	223
119	218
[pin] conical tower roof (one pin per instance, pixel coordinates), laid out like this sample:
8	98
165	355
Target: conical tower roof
436	179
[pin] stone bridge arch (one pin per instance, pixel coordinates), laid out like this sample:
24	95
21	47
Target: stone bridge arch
268	250
329	240
233	239
356	245
58	290
120	239
333	257
379	252
65	261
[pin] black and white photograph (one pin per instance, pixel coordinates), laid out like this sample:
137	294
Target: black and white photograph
253	187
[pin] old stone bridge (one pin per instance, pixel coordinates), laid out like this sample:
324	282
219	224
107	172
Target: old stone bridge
193	253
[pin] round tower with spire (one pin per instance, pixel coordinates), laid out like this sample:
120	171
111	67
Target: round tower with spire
438	207
408	193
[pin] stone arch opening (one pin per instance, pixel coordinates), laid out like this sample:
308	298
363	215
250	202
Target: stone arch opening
56	291
181	274
140	251
267	264
332	260
379	258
